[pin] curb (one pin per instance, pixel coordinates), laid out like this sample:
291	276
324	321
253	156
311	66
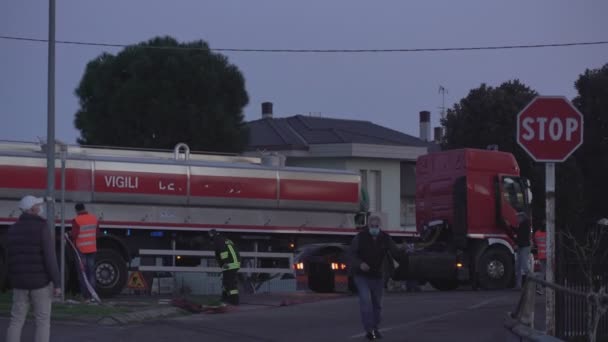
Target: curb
139	316
525	333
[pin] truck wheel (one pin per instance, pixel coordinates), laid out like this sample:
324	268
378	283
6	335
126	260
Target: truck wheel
495	269
321	278
110	272
352	287
445	284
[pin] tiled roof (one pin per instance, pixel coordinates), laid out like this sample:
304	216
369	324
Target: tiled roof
299	132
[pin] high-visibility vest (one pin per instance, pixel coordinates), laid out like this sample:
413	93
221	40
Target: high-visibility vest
86	240
540	240
230	258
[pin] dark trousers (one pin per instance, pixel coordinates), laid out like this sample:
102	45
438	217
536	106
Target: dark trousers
230	287
370	292
88	270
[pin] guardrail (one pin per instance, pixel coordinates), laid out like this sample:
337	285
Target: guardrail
521	322
211	255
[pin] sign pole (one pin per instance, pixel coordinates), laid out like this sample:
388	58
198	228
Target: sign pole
550	275
50	139
62	249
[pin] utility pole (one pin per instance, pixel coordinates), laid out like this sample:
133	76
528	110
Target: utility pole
50	140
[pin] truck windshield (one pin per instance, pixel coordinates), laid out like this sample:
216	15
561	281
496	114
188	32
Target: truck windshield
513	193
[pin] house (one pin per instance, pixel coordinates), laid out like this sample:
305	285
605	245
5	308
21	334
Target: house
385	158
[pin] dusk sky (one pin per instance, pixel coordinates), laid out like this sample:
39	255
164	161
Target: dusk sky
386	88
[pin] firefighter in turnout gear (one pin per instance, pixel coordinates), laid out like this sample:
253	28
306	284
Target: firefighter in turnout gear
229	260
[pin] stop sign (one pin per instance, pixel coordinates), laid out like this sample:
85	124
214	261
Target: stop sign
550	129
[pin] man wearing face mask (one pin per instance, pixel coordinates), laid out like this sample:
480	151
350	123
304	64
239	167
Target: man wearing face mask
368	253
33	270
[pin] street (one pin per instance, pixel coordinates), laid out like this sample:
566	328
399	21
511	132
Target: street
423	316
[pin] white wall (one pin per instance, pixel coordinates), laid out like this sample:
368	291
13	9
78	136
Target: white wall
389	188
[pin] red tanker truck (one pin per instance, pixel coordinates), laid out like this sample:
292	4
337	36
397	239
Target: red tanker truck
466	205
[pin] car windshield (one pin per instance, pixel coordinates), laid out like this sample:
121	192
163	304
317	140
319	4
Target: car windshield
513	193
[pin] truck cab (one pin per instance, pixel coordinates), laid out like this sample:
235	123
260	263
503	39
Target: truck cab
467	203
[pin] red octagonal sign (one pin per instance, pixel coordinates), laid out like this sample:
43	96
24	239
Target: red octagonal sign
550	129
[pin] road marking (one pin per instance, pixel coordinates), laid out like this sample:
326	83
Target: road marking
436	317
484	303
416	322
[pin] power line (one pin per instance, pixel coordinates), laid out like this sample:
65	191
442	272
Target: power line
396	50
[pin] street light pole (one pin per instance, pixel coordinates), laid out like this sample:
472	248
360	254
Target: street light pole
50	140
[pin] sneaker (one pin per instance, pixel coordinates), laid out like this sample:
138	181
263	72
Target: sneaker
540	292
371	335
377	333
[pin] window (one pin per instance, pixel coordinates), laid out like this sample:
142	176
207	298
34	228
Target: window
513	193
371	183
408	211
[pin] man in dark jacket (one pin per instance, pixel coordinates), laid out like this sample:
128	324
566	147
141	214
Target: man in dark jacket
523	241
229	260
33	270
368	253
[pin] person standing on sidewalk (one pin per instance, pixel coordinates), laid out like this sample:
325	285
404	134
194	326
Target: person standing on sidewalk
32	269
368	253
540	241
84	236
522	239
229	260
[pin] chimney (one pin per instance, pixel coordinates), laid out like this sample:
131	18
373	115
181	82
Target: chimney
266	110
425	125
438	134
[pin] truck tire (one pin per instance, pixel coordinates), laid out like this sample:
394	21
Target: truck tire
445	284
110	272
352	287
495	269
321	278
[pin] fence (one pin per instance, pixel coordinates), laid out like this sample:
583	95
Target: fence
571	311
581	253
276	275
521	321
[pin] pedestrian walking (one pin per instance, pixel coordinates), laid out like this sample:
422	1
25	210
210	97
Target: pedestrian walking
523	242
84	236
228	258
369	250
540	242
33	270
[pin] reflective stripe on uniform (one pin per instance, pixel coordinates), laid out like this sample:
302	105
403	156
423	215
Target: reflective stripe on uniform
233	292
224	255
233	253
86	243
87	235
232	266
88	227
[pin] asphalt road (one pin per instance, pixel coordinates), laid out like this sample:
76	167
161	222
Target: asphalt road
424	316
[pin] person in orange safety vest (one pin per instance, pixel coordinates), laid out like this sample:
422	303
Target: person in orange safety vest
84	236
540	241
